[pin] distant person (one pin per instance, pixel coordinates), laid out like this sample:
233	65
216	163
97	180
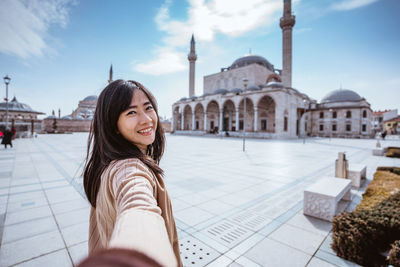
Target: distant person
384	135
7	138
123	182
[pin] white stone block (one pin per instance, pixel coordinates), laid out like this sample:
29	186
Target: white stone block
357	173
321	198
378	151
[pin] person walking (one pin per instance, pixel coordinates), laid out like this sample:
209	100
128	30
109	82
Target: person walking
130	205
7	138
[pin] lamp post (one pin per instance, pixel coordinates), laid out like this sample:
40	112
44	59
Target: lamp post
7	81
330	124
245	81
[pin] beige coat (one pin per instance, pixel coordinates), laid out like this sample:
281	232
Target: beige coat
133	210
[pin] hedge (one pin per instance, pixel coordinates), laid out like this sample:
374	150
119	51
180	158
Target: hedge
360	236
394	254
393	152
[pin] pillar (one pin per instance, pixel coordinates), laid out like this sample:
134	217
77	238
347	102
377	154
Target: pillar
193	122
237	119
205	121
255	119
182	121
221	113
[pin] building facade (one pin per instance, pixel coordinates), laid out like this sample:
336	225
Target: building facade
21	117
253	98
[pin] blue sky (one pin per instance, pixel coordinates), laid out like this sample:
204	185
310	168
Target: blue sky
57	52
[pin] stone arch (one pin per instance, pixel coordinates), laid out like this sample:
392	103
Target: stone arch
273	77
266	114
187	118
212	115
228	116
177	119
199	117
249	122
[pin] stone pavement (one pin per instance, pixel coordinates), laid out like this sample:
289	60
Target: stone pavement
232	208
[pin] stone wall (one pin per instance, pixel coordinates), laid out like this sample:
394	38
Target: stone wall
66	125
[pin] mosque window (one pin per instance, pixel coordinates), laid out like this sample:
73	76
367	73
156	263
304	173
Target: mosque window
348	127
321	127
240	124
348	114
212	125
197	125
364	114
285	124
321	115
334	128
334	115
364	127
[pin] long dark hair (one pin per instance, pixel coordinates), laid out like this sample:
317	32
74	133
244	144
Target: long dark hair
105	144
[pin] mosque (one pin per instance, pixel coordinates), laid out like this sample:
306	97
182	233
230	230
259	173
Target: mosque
253	98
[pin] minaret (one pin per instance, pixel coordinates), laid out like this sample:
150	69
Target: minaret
111	74
287	23
192	59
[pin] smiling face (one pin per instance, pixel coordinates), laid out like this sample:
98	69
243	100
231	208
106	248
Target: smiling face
138	124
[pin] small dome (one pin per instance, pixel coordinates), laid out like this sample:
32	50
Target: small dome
206	94
341	95
14	105
236	90
251	59
193	97
183	99
253	87
221	91
51	117
90	98
68	117
274	84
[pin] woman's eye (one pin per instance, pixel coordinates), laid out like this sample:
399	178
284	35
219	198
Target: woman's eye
131	112
149	108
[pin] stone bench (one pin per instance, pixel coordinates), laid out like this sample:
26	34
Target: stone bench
357	173
321	199
379	151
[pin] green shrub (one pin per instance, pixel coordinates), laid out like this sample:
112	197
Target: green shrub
393	152
361	236
395	170
394	254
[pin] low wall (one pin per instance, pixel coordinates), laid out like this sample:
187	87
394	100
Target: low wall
66	125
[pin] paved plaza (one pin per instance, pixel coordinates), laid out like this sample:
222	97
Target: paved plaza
232	208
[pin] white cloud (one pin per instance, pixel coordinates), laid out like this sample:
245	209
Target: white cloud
351	4
205	20
24	24
167	61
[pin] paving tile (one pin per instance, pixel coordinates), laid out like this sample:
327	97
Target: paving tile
71	205
298	238
28	248
220	261
27	215
335	260
72	217
235	264
78	252
27	229
215	206
315	262
273	253
310	224
58	195
76	234
193	215
58	258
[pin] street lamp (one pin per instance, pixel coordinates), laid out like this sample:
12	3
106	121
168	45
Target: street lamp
7	81
245	81
330	124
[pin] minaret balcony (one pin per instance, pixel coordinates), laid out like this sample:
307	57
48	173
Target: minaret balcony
192	57
287	21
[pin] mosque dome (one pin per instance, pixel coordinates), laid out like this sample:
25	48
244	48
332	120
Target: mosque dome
236	90
14	105
341	95
221	91
90	98
253	87
274	84
251	59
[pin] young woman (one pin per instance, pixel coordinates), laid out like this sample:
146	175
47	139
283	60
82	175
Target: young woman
122	180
